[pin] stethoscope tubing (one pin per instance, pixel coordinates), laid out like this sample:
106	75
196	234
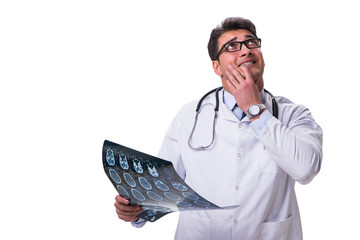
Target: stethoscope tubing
275	111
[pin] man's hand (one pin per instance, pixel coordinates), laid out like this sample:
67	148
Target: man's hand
241	85
125	211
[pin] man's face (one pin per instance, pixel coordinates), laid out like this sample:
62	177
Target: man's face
236	59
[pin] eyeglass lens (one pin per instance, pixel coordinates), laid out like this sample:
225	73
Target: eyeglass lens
236	46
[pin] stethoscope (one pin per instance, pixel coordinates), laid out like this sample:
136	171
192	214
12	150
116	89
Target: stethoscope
275	111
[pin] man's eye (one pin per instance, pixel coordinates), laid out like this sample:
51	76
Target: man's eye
251	42
233	46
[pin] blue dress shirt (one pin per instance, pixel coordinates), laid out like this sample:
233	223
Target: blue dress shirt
257	125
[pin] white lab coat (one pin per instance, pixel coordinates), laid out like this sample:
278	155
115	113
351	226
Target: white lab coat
258	173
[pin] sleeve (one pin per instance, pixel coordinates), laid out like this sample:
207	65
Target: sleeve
170	149
139	223
294	143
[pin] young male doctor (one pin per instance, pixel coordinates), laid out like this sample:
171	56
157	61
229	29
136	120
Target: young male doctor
255	158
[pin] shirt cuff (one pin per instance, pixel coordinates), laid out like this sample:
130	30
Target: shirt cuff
138	223
259	124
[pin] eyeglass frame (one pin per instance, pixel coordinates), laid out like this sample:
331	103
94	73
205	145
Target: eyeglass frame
241	43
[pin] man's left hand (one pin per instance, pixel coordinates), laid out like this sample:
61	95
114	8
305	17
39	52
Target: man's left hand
241	85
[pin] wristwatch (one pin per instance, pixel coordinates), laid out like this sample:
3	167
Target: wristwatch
255	110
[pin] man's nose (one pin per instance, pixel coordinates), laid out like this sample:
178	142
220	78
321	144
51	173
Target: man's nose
245	51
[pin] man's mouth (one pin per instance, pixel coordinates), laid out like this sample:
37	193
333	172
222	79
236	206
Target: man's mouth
247	64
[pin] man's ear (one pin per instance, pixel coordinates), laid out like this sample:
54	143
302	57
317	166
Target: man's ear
217	68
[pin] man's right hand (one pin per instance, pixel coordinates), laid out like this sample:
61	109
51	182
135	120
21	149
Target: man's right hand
125	211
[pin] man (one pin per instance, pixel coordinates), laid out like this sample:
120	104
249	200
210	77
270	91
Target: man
255	158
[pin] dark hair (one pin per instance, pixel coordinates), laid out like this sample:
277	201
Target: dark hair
229	24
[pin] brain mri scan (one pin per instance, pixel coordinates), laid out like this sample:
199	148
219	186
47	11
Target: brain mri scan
150	182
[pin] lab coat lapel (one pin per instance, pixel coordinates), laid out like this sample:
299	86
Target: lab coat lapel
268	102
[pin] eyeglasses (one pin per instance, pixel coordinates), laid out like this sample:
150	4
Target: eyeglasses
236	46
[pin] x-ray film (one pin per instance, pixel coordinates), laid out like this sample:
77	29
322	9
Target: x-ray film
150	182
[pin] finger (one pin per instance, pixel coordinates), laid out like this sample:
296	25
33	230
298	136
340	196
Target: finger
247	73
122	205
122	200
126	208
236	73
128	218
231	87
231	80
128	212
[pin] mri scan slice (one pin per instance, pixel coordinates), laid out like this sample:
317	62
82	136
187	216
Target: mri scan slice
110	158
151	214
129	180
123	161
137	194
114	176
184	204
152	170
122	192
172	196
137	166
144	183
154	196
162	186
202	203
168	172
190	196
179	186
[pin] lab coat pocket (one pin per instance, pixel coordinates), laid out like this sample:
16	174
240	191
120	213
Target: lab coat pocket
276	230
192	227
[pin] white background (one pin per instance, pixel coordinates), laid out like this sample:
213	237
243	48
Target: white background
74	73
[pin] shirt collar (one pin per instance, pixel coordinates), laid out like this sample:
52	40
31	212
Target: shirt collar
229	100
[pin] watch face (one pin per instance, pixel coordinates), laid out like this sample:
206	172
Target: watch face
254	110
